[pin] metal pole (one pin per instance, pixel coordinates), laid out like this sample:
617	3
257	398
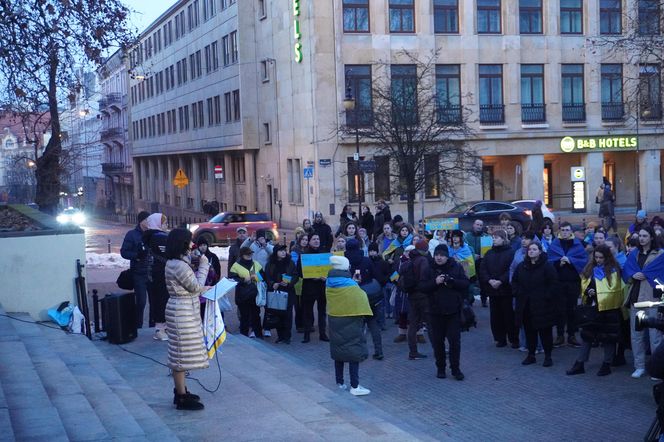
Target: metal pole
360	182
309	198
638	140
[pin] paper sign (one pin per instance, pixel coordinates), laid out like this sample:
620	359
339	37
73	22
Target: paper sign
315	265
486	242
442	224
220	289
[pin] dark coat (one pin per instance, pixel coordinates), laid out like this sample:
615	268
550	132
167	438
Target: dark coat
382	270
347	339
324	231
535	288
214	263
362	263
422	267
233	253
496	265
135	251
447	298
382	217
367	222
156	243
245	291
275	270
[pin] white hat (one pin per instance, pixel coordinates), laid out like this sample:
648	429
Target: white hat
409	248
339	262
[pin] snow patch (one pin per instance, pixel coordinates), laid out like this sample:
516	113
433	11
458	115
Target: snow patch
221	252
105	261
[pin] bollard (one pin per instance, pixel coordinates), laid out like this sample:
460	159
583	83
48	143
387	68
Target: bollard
95	309
109	245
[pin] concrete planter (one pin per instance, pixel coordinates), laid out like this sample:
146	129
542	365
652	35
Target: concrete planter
38	266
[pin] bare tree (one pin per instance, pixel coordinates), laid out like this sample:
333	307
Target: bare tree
42	43
423	133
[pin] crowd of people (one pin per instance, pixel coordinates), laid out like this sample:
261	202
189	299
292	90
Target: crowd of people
581	281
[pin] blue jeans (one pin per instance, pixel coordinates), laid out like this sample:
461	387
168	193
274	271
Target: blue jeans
141	291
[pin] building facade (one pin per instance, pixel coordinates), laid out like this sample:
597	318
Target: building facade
545	100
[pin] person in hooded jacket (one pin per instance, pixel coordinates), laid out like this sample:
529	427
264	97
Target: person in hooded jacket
367	220
204	248
247	273
446	287
534	285
362	270
418	300
155	239
324	232
494	280
281	275
382	272
136	252
234	249
313	292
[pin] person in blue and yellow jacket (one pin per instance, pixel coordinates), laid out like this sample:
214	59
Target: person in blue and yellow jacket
602	288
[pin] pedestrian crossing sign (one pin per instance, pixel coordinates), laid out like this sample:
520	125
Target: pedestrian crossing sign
180	179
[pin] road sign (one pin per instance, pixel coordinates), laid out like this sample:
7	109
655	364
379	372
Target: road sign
368	166
180	179
578	173
308	172
219	172
325	162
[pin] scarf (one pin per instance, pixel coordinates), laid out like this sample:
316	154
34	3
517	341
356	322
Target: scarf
395	244
576	254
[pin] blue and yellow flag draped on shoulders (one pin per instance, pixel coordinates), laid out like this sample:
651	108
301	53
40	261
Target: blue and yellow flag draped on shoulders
576	254
464	255
344	296
653	270
609	289
395	244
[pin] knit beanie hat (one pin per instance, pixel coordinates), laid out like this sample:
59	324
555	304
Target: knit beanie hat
260	233
500	233
352	244
339	262
372	247
142	215
442	250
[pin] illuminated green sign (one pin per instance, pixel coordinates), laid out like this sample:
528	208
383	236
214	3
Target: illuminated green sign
296	27
617	142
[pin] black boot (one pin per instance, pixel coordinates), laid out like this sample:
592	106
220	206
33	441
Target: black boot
530	359
306	337
191	395
605	369
577	368
186	402
323	337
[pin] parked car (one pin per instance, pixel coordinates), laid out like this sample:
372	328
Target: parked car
71	216
529	204
488	211
221	228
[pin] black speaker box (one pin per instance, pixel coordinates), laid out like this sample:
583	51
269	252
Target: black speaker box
118	312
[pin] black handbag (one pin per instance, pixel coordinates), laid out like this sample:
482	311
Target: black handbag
126	280
272	319
585	315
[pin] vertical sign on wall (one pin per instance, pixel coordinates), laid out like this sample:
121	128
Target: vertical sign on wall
296	27
578	178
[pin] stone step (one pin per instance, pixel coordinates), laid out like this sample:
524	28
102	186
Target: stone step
78	416
27	411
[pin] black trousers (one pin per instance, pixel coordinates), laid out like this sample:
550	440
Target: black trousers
250	317
569	292
502	320
418	314
545	335
286	324
353	369
297	306
446	327
309	298
158	296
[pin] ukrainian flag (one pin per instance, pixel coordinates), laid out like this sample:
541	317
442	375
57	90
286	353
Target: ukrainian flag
214	329
464	255
395	244
609	289
345	297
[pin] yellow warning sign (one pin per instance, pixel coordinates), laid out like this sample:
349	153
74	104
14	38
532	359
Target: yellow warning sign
180	179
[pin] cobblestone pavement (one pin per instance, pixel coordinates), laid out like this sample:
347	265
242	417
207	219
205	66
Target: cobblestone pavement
500	399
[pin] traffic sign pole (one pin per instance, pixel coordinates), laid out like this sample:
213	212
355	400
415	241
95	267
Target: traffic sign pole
308	173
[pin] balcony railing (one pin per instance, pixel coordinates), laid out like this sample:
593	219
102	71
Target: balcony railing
651	111
492	114
574	112
533	113
112	168
115	132
450	114
114	99
613	111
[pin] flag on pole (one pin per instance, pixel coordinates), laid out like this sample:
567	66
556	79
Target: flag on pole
214	329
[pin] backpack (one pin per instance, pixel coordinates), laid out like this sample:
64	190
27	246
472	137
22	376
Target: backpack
407	277
467	317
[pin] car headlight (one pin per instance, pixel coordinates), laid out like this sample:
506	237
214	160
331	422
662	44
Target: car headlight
62	219
192	227
78	218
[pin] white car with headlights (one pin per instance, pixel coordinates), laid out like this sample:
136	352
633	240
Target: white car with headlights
71	216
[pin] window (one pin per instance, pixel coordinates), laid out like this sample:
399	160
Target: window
181	117
210	112
217	109
649	17
266	133
265	71
356	15
171	73
234	49
168	34
209	9
402	16
446	16
203	168
492	110
262	11
186	118
571	16
612	92
192	11
192	65
574	108
432	176
610	16
650	101
404	94
199	64
208	59
236	105
530	16
215	55
238	170
532	93
382	178
229	107
179	25
355	181
448	93
488	17
358	77
194	115
225	42
294	169
179	72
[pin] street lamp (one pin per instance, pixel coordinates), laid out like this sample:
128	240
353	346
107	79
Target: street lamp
350	106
